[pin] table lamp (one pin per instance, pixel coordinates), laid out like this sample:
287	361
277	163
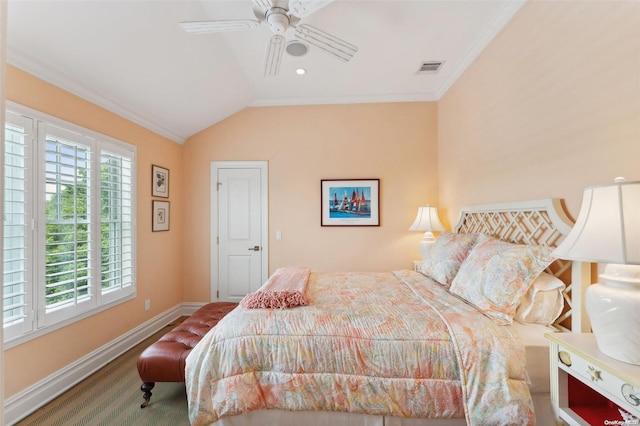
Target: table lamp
427	220
608	231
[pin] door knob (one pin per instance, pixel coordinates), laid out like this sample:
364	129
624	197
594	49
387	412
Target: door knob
254	248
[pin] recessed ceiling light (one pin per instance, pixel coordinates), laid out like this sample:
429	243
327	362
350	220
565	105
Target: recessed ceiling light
301	71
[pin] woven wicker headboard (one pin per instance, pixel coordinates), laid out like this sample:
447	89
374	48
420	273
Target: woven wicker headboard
538	222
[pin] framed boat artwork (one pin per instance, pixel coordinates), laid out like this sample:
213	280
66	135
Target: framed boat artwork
350	202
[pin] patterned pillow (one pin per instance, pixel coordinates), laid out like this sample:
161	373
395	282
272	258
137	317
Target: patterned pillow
496	275
447	254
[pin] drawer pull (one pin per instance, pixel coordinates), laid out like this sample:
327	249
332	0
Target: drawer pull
630	394
595	375
565	358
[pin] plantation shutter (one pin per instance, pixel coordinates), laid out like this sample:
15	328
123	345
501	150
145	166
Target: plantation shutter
18	271
116	223
67	262
69	224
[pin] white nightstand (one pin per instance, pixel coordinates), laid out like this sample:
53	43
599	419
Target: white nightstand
588	387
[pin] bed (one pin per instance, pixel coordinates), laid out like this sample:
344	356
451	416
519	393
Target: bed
404	347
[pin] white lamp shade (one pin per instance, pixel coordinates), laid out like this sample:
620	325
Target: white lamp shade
608	226
427	220
608	231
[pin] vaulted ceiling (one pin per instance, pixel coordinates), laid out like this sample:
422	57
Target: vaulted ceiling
133	57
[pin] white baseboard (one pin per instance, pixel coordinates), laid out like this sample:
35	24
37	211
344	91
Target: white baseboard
23	403
189	308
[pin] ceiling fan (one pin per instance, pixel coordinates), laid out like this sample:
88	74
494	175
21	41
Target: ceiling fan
280	15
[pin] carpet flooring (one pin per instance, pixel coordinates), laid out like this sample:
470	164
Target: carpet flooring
112	396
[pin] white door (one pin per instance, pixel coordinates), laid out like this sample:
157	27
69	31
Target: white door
239	234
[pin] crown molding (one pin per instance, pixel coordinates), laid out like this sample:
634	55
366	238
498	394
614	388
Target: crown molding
508	10
355	99
28	64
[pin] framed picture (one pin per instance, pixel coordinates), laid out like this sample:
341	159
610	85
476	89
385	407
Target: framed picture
160	220
159	181
350	202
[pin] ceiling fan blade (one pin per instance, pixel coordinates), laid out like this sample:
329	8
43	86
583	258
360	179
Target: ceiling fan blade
273	57
203	27
330	44
263	4
303	8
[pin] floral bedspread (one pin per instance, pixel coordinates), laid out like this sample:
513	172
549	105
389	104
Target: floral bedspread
394	344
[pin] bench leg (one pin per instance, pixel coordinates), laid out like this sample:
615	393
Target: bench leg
146	388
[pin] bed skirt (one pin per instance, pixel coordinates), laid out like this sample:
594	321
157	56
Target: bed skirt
541	403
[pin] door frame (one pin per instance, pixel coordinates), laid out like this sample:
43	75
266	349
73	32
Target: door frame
264	217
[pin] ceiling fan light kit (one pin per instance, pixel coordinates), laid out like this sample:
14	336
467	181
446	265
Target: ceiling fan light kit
281	15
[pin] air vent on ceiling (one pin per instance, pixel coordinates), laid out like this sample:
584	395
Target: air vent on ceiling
430	67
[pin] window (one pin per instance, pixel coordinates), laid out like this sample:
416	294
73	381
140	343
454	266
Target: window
69	240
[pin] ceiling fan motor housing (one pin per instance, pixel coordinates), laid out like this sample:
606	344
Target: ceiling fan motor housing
278	20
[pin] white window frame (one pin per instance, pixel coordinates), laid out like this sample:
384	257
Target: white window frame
39	320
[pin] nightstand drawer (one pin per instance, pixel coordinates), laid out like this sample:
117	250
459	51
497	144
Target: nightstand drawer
624	394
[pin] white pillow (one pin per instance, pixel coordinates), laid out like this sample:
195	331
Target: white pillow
543	302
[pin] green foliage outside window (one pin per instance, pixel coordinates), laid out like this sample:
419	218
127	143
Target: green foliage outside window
67	247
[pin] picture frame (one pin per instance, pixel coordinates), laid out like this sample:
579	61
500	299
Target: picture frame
161	216
350	202
159	181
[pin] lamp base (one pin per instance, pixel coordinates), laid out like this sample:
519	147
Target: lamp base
613	309
425	245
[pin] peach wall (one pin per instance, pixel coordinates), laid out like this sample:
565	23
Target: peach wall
304	144
551	106
158	272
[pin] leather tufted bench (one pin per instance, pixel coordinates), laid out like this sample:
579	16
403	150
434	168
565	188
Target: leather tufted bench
164	361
